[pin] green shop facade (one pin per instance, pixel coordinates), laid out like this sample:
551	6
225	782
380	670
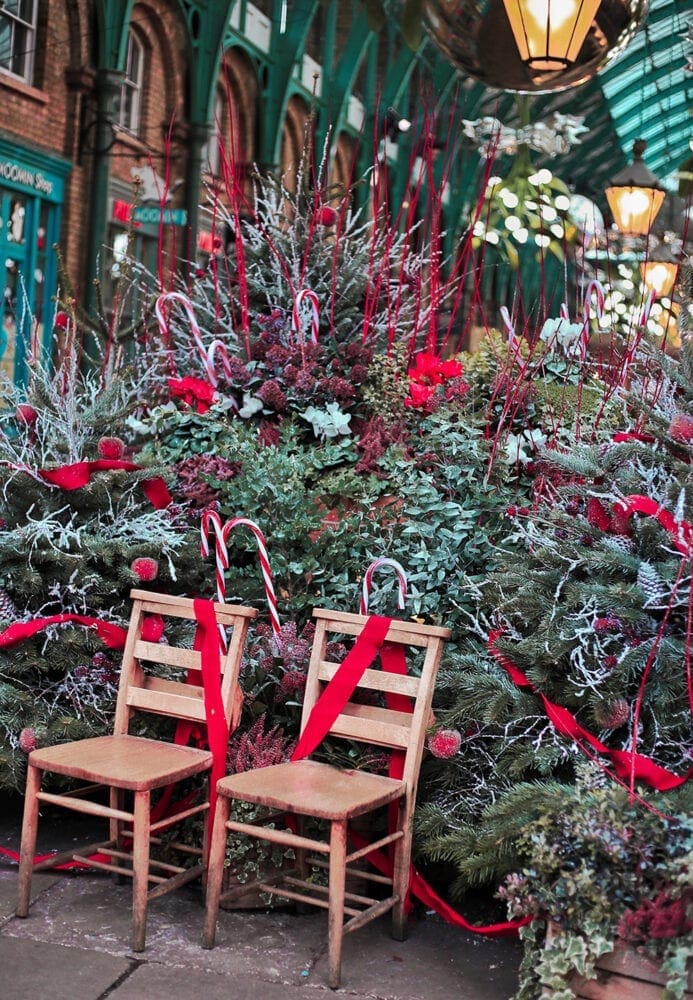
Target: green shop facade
32	185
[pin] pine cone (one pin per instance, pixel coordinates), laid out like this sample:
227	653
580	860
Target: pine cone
8	609
614	714
28	740
651	584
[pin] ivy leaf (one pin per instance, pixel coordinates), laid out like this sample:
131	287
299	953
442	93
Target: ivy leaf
412	15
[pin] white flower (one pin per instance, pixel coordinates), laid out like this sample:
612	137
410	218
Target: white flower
517	444
562	332
251	405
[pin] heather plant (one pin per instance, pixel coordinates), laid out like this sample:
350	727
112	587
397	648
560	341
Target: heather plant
599	866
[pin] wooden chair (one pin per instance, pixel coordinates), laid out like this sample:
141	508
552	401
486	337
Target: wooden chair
132	767
309	788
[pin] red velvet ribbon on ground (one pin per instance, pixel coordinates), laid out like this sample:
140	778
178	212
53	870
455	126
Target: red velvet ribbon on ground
74	477
111	635
326	709
627	765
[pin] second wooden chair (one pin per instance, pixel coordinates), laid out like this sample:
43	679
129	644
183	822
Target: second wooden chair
320	791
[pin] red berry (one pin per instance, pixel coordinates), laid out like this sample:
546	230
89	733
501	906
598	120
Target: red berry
26	414
326	216
445	743
145	568
111	447
152	628
62	320
681	428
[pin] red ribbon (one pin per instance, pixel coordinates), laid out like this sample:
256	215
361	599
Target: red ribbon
208	643
74	477
337	693
681	531
326	709
111	635
628	765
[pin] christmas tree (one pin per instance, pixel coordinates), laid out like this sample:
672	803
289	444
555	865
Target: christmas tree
82	524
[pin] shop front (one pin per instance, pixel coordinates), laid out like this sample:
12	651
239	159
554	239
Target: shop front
32	187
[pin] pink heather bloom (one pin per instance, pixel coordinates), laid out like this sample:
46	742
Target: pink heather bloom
444	743
145	568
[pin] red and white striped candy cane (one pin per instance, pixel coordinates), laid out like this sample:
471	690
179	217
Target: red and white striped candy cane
297	332
214	349
245	522
368	579
593	288
513	340
212	521
207	356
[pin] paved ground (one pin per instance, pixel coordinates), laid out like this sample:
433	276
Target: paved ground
73	946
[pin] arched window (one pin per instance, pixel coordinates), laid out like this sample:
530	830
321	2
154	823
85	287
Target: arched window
18	38
131	89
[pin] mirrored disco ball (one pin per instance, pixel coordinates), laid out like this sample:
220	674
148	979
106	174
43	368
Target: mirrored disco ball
475	36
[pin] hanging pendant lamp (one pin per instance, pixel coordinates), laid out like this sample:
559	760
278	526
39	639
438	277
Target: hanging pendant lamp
635	196
549	33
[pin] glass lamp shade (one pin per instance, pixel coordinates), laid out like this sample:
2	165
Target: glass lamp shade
660	276
635	196
549	33
634	208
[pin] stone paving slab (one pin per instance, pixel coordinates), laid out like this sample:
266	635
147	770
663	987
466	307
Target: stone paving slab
82	923
34	970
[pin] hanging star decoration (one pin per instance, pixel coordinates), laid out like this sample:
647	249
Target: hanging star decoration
553	138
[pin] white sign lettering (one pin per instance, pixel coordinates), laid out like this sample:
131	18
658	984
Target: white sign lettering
10	171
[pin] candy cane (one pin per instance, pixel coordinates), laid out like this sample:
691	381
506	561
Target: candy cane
216	347
297	333
368	579
597	288
512	336
264	565
647	307
206	355
211	519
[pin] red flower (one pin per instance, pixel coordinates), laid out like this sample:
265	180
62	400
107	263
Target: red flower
193	391
420	395
451	369
426	369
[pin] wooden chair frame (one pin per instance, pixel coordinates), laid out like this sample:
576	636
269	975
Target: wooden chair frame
136	766
309	788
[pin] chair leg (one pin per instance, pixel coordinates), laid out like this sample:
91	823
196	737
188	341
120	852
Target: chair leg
336	911
28	842
400	876
215	869
140	869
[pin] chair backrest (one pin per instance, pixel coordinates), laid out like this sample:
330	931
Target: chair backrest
144	686
376	723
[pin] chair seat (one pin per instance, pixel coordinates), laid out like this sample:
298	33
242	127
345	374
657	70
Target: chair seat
313	789
131	762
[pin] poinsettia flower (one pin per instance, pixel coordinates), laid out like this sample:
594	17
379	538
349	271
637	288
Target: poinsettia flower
420	395
426	369
451	369
193	391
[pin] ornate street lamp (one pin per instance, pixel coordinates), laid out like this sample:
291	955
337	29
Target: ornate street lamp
635	195
549	33
659	271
